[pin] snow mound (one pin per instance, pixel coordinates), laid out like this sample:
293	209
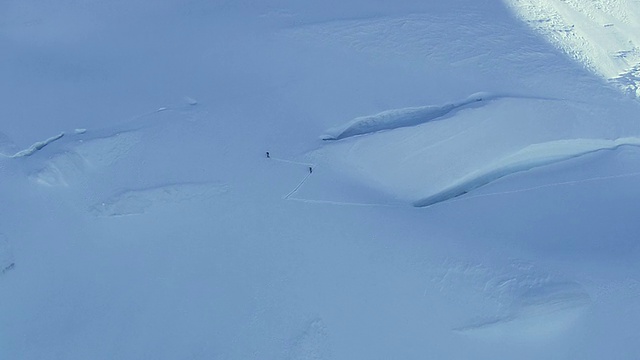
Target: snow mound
528	158
134	202
397	118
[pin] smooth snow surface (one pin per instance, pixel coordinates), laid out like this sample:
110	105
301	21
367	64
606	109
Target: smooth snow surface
164	193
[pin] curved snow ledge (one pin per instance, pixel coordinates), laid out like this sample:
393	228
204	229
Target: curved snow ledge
528	158
397	118
35	147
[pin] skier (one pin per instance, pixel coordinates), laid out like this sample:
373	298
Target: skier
268	156
310	169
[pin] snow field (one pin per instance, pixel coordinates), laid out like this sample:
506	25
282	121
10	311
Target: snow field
170	235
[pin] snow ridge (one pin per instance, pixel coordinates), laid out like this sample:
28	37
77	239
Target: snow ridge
35	147
397	118
530	157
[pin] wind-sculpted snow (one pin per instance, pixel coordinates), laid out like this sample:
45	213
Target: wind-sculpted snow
82	155
397	118
542	311
528	158
517	301
134	202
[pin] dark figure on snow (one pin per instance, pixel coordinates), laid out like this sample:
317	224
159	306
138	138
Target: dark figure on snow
310	169
268	156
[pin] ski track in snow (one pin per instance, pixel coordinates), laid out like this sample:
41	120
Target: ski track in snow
295	189
135	202
563	183
412	116
342	203
289	195
291	161
299	185
531	157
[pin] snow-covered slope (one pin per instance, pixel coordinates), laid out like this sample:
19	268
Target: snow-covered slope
141	218
604	35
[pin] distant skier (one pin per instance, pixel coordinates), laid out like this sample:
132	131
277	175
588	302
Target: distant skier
268	156
310	169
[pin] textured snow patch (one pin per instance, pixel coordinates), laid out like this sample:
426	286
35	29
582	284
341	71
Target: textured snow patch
133	202
604	35
35	147
82	155
541	312
517	301
311	344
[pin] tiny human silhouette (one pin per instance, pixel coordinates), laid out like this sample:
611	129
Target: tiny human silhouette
310	169
268	156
